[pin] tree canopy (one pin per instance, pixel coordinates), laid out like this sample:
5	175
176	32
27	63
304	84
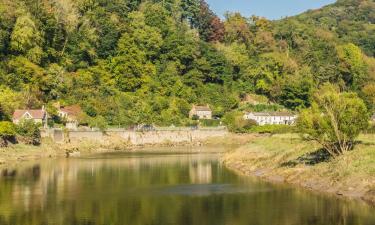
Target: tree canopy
133	61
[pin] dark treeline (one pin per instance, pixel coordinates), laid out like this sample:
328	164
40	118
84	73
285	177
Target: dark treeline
133	61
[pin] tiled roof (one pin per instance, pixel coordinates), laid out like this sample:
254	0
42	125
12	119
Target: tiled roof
73	111
201	108
281	114
260	114
35	113
272	114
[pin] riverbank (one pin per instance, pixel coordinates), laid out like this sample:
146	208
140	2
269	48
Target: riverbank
18	153
288	159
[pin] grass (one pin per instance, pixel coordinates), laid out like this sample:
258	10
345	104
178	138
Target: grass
296	161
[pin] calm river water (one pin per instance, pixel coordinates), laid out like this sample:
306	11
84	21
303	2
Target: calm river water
160	189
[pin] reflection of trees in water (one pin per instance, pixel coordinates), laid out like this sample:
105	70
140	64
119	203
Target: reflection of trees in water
112	191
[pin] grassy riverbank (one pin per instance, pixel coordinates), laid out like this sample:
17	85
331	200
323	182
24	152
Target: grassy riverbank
287	158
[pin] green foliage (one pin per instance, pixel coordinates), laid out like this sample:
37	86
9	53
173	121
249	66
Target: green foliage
131	62
9	101
261	108
7	132
210	123
28	132
334	119
353	66
98	122
236	122
7	129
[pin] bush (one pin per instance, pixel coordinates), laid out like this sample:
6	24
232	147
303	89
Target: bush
261	108
210	123
98	122
236	123
371	129
7	133
334	120
28	132
195	117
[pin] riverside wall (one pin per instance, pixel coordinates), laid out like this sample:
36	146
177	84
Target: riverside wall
182	135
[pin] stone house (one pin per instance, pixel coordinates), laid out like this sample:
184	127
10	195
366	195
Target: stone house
201	112
71	115
37	115
271	118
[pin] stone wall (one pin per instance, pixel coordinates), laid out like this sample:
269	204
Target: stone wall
158	137
146	137
77	135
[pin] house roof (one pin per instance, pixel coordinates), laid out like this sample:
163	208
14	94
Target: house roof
73	111
281	114
34	113
202	108
260	113
272	113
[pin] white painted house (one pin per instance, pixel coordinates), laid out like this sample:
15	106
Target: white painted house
271	118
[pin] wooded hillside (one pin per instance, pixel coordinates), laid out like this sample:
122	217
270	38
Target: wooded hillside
131	61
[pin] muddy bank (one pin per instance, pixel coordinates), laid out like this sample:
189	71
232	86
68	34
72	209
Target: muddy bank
275	159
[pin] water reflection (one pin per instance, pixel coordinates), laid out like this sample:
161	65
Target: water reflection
160	189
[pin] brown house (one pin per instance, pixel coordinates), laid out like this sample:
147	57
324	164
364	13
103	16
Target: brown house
201	112
71	114
37	115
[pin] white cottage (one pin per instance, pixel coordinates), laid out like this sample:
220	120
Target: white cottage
271	118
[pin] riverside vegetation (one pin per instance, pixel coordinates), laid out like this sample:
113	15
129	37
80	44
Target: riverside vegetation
129	62
288	158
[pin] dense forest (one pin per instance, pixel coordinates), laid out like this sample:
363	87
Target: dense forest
147	61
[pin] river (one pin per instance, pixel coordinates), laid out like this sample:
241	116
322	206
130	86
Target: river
163	188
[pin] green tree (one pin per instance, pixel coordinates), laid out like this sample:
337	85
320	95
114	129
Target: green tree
334	120
236	122
7	132
26	39
353	66
29	132
9	101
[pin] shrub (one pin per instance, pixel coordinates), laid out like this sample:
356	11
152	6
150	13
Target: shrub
195	117
7	133
371	129
210	123
29	132
334	120
236	123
